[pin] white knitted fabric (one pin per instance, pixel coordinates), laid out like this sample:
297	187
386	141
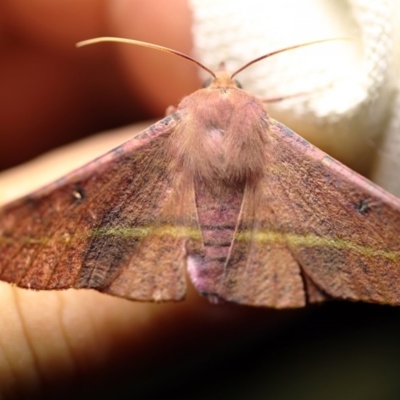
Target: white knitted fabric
351	103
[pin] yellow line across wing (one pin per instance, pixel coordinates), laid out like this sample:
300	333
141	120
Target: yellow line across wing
138	233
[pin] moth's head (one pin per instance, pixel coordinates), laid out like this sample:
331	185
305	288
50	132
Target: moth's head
222	78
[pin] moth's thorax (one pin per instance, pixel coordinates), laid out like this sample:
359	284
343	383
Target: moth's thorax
222	133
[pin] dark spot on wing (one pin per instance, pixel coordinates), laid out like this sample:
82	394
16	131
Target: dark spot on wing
78	195
362	207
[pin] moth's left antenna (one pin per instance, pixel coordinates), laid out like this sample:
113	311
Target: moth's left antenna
144	44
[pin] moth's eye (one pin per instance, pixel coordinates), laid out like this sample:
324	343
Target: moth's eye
207	82
238	84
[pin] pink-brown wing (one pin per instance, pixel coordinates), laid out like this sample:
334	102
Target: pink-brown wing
312	229
260	271
118	225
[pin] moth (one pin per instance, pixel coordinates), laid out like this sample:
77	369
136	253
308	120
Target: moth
252	211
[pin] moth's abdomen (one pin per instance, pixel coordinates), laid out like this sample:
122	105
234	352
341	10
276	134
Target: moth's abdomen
218	211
